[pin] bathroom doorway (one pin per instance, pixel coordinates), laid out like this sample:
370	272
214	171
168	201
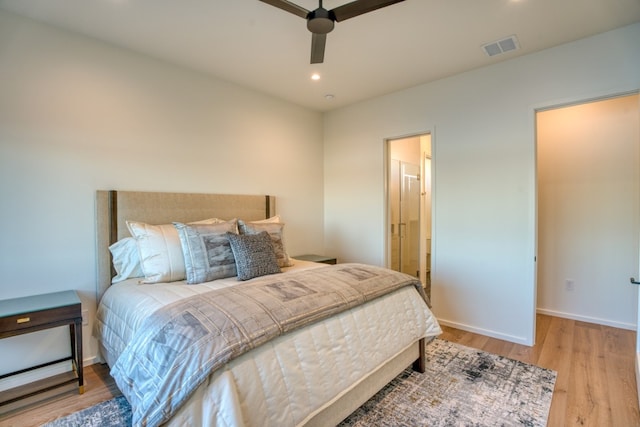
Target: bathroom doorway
409	206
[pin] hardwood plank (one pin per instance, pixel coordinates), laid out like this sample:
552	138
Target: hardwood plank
619	341
588	392
499	347
451	334
530	354
99	386
29	392
556	349
468	339
619	348
622	386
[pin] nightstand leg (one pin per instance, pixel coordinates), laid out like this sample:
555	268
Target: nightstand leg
72	336
76	351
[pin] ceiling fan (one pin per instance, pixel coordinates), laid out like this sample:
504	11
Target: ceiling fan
321	21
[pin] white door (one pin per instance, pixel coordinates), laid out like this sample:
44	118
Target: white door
633	281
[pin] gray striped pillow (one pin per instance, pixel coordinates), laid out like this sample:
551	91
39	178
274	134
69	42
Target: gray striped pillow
207	252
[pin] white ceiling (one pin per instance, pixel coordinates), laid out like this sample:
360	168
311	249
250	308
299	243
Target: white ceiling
259	46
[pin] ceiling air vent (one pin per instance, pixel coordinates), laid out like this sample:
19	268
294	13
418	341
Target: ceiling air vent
501	46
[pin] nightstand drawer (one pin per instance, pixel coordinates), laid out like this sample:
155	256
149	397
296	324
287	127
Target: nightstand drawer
19	322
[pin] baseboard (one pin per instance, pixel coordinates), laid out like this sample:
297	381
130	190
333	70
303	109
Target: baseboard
38	374
587	319
485	332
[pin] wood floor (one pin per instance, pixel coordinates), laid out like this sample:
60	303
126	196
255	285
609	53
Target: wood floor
596	383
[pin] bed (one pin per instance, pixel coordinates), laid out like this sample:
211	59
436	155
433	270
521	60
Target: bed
311	372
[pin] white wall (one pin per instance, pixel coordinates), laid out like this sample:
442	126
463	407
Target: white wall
484	164
589	210
77	115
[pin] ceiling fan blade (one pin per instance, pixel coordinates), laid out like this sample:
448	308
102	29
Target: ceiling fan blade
318	42
289	7
359	7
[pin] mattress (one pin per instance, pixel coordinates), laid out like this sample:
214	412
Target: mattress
288	380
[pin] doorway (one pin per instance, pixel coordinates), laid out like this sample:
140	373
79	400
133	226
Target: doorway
588	178
409	207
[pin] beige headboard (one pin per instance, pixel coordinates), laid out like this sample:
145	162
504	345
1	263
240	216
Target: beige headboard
113	208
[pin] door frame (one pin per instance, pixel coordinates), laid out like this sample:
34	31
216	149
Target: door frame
387	194
638	315
568	103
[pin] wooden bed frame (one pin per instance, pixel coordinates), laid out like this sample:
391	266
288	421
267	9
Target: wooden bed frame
113	208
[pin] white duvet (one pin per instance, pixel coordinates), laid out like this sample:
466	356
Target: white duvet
288	380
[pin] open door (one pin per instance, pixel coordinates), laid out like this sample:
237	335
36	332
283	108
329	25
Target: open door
588	210
409	206
635	282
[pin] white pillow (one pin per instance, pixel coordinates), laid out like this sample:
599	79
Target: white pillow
275	218
126	259
160	250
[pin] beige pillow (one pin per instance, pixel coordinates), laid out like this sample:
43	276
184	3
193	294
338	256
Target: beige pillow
275	228
160	250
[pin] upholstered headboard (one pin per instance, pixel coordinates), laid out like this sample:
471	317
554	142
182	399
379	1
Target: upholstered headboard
114	208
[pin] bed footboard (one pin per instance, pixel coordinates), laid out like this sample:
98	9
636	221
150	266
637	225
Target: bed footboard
351	400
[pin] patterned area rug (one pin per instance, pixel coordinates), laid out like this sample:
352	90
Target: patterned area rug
112	413
461	387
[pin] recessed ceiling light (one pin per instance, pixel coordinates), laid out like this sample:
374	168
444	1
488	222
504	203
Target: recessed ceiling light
315	76
329	96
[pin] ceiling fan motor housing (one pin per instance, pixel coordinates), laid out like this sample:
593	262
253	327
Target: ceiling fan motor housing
321	21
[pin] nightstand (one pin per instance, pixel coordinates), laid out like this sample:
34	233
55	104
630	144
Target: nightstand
30	314
317	258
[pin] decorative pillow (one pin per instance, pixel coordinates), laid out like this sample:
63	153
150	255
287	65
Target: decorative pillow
275	230
126	259
254	255
160	250
207	251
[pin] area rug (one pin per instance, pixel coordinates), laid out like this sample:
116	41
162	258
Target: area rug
112	413
461	387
